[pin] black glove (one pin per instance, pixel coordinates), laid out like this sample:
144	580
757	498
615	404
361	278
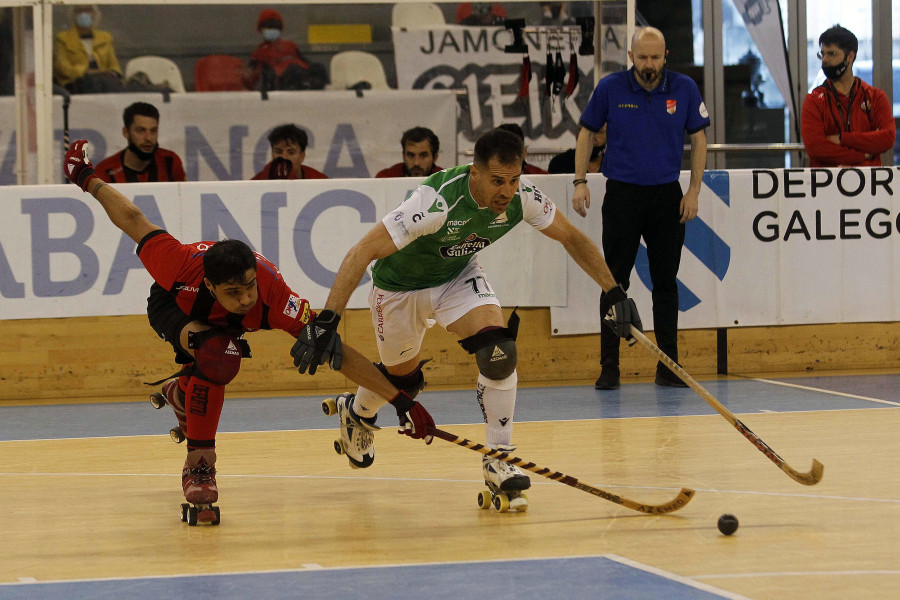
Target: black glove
319	342
280	168
622	315
414	419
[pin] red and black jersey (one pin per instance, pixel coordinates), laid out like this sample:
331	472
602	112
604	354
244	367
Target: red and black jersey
178	268
399	170
530	169
165	166
306	172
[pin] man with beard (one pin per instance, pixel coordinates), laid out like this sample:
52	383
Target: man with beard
845	121
143	160
420	150
647	111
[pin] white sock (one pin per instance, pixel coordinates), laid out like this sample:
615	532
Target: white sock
367	403
498	403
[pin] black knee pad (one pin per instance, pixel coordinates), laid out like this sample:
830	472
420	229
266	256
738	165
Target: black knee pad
411	383
495	349
217	355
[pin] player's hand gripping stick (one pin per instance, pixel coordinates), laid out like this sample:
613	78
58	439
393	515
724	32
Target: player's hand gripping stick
414	419
318	343
77	166
622	314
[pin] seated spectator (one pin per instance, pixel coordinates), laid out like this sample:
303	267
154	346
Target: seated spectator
143	160
480	13
420	151
288	144
277	64
527	169
565	161
84	59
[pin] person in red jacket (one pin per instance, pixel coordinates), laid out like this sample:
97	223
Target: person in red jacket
277	63
205	296
845	121
420	151
143	160
288	144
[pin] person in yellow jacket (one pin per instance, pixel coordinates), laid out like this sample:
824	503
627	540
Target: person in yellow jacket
84	59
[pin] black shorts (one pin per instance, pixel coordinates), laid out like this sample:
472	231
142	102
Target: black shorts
168	321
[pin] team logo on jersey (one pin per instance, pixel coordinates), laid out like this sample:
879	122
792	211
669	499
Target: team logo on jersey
500	221
703	112
671	105
292	308
470	245
440	205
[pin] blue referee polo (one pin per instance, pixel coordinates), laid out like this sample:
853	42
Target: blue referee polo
645	130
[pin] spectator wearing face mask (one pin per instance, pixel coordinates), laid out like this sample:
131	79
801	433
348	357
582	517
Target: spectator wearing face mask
84	59
142	160
277	64
845	121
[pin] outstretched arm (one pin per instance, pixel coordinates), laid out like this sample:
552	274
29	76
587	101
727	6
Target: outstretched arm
121	211
374	245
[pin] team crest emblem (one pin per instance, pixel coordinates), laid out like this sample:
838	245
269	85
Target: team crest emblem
671	105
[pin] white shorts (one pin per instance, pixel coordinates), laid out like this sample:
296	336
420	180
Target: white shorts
401	318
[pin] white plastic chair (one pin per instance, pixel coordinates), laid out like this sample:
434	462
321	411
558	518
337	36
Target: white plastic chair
416	14
352	67
160	70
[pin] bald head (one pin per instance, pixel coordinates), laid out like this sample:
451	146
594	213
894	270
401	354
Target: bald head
648	53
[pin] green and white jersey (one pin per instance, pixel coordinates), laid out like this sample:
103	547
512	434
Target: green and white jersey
439	228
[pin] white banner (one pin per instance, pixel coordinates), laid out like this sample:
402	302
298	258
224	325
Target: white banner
770	247
222	136
763	21
473	59
61	257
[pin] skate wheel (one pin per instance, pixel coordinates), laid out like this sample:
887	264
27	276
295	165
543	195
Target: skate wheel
501	503
192	515
329	406
519	503
338	447
484	499
176	434
157	400
218	516
184	512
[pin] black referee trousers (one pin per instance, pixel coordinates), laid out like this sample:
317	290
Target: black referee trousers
652	212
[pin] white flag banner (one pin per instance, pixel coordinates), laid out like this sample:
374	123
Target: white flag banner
763	21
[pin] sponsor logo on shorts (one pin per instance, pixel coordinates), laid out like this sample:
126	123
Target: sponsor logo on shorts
470	245
379	313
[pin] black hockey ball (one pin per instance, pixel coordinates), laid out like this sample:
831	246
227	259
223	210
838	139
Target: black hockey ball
728	524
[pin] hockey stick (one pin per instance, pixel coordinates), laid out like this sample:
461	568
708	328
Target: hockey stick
684	496
811	478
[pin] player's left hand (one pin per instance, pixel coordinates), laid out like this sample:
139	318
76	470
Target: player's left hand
414	419
622	315
280	168
689	206
318	343
77	166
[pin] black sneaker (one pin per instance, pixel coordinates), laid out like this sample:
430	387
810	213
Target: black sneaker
608	380
667	378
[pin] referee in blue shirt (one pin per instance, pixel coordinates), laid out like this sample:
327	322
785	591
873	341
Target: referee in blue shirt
647	110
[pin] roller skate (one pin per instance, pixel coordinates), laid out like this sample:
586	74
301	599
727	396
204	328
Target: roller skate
198	479
357	440
506	484
174	397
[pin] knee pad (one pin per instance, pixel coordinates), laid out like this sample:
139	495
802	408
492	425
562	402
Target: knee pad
217	355
412	383
494	350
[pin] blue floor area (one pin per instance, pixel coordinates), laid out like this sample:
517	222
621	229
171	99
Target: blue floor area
582	577
740	396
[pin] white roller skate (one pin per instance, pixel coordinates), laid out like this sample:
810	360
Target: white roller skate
198	480
357	440
506	484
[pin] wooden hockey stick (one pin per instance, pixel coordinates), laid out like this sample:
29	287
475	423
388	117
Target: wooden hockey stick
684	496
811	478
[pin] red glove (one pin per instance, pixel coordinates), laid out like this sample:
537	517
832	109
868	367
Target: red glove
77	166
280	168
414	419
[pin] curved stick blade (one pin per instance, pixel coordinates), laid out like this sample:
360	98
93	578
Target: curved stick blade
813	477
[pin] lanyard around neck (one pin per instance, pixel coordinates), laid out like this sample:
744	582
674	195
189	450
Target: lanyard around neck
840	106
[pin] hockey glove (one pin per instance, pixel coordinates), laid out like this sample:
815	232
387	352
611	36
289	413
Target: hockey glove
414	419
77	166
318	343
280	168
622	314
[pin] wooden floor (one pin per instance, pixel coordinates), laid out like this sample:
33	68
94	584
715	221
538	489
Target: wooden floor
91	506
